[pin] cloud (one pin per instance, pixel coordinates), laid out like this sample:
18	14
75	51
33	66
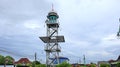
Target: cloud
88	27
110	40
32	24
100	53
110	37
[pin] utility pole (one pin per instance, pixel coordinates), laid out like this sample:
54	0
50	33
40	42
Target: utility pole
35	59
79	60
118	33
84	61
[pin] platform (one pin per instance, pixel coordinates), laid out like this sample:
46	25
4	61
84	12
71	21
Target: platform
53	50
52	39
52	25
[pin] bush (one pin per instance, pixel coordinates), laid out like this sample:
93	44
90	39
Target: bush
40	65
64	64
22	66
118	64
36	62
104	65
27	65
92	65
2	60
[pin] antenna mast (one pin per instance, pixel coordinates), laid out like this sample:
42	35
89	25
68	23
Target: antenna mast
52	7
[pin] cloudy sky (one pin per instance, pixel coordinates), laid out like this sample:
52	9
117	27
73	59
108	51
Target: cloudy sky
89	28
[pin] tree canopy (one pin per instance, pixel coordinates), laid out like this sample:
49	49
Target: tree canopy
6	60
9	60
104	65
2	60
64	64
118	64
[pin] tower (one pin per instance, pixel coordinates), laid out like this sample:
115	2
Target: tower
52	39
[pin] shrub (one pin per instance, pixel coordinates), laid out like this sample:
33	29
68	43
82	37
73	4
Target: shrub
92	65
64	64
40	65
118	64
104	65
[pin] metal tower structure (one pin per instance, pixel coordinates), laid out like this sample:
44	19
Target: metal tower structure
52	48
118	33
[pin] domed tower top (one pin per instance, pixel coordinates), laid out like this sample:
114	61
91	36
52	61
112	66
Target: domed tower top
52	16
52	13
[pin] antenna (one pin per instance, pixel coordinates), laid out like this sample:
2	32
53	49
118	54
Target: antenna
35	56
52	7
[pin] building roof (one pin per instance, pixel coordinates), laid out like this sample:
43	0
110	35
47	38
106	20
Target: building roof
51	13
101	62
118	58
111	60
23	61
60	58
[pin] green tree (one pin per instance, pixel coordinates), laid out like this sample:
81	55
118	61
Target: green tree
40	65
92	65
64	64
36	62
104	65
9	60
2	60
118	64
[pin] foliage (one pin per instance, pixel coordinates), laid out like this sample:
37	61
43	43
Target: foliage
92	65
19	65
22	66
9	60
2	60
36	62
32	65
27	65
64	64
104	65
40	65
118	64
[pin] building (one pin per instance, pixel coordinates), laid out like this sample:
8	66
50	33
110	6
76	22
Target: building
118	59
61	60
22	61
102	62
113	63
